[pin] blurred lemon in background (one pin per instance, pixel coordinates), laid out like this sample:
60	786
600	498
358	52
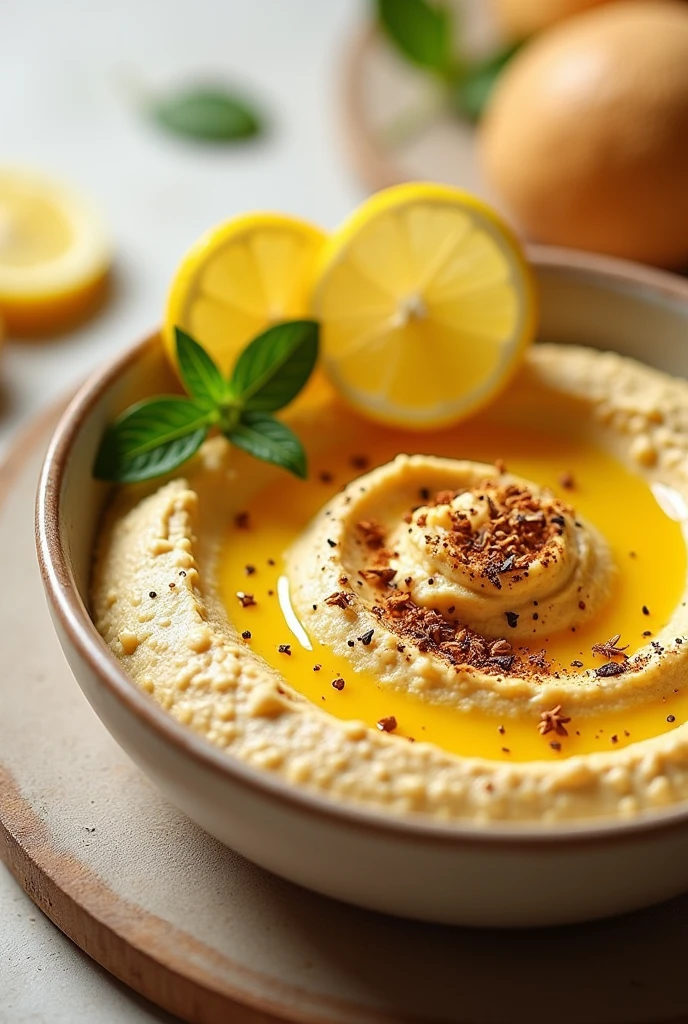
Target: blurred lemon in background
239	278
426	304
55	254
585	137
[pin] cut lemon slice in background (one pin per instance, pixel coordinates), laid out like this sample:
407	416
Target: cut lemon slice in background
426	305
55	254
239	278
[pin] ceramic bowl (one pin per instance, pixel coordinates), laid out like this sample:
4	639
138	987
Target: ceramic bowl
497	875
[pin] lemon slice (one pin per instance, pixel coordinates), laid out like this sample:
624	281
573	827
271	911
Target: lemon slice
239	278
426	305
55	254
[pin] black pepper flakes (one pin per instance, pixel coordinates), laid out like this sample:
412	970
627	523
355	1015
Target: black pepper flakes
338	684
249	569
242	520
246	600
671	718
612	668
332	543
316	668
367	637
350	643
152	593
555	745
512	619
246	635
284	649
646	610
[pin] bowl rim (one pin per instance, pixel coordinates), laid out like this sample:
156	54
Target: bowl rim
75	621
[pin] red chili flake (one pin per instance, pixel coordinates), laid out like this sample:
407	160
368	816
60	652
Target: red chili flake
338	684
646	610
246	600
284	649
671	718
246	634
387	724
340	599
242	520
249	569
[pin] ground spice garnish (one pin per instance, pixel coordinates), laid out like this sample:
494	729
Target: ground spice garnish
246	600
506	750
501	730
372	533
360	461
340	599
555	745
242	520
378	577
246	635
338	684
249	569
326	478
553	721
271	561
567	481
611	668
284	649
500	647
367	637
610	648
387	724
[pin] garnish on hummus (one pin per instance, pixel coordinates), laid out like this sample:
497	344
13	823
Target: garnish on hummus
493	627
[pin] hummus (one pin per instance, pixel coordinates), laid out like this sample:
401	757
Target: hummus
443	582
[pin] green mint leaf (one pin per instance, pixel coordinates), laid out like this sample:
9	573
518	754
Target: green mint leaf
274	367
150	439
475	86
422	31
266	438
200	376
208	114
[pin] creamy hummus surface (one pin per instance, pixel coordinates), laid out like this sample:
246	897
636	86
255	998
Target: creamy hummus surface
445	585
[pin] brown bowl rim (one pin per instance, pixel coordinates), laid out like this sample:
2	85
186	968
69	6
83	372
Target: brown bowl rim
78	626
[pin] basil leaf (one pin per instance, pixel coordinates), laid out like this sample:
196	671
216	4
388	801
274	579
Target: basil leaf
266	438
474	88
208	114
200	376
273	368
420	30
150	439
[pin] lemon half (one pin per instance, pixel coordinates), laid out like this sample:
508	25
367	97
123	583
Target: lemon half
238	279
426	305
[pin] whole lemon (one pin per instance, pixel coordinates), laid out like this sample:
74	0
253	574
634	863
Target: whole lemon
585	138
520	18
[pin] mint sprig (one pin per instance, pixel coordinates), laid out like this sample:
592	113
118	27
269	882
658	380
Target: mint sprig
156	436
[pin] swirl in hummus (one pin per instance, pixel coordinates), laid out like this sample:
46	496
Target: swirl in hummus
440	579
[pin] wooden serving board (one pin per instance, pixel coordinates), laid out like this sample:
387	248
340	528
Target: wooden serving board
205	934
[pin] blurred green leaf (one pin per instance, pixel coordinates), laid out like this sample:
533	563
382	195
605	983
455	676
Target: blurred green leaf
422	31
474	88
208	114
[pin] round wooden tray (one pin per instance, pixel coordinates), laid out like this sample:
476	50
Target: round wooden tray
205	934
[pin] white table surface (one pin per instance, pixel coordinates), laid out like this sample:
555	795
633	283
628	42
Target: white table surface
71	76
